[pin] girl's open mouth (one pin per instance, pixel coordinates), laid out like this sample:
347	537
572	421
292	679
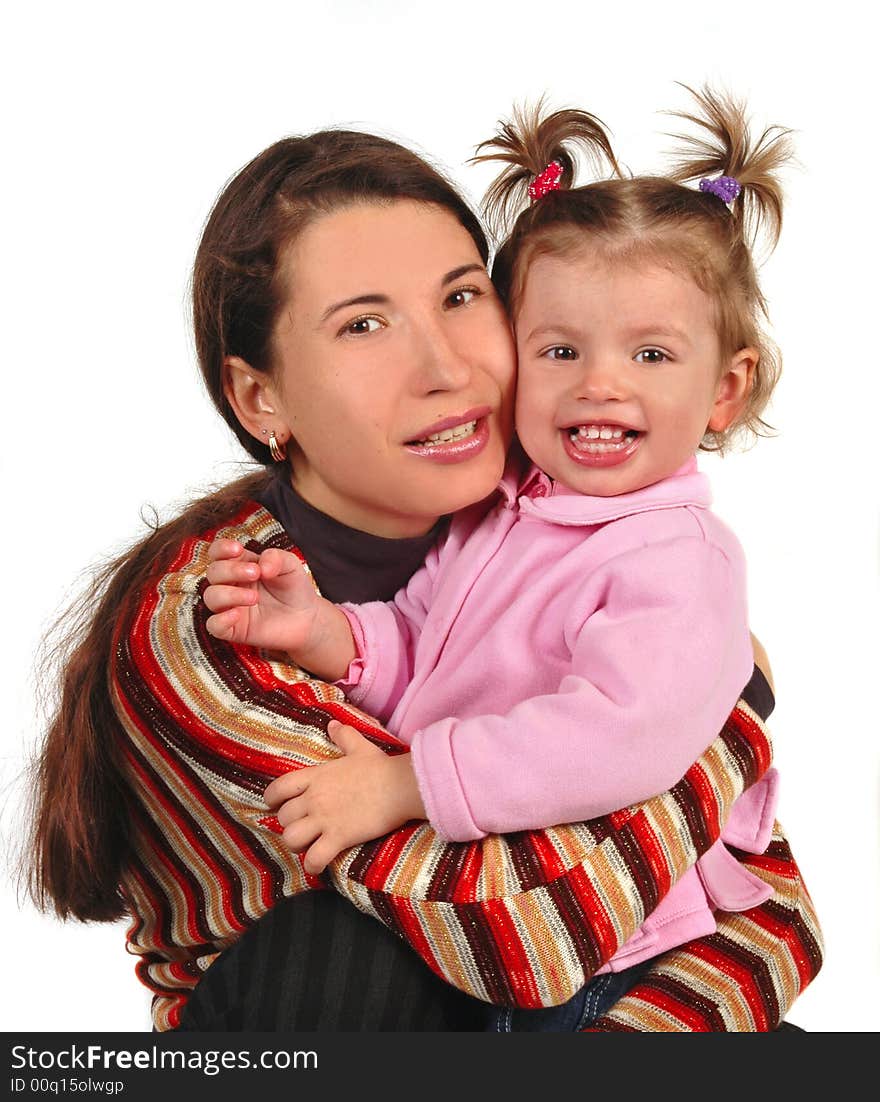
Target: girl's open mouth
595	445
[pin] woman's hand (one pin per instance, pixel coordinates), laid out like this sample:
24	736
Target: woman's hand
761	660
269	600
328	808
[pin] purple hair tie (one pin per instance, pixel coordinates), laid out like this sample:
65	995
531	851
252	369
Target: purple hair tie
725	187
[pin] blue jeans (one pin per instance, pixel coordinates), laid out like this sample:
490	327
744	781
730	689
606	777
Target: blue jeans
590	1003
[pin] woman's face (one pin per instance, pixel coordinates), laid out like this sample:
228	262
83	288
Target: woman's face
394	368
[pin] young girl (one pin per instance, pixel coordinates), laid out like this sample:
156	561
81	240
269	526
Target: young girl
635	305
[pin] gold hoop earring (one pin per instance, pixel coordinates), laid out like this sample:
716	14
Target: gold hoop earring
276	450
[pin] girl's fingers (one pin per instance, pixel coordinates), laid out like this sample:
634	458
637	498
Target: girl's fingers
275	562
347	738
229	549
224	625
232	572
291	810
319	856
219	598
285	788
300	835
224	549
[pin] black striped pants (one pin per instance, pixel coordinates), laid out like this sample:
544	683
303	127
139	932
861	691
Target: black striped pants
315	963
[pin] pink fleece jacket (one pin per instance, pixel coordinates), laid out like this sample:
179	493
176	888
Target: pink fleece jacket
563	656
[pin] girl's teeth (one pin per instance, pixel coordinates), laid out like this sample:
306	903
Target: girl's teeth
448	435
601	438
596	432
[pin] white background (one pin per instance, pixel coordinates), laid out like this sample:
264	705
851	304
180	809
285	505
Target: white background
123	122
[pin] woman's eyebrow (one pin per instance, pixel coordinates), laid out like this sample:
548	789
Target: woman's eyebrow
457	273
375	298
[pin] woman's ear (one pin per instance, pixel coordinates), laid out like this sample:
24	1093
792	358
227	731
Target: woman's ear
733	389
253	400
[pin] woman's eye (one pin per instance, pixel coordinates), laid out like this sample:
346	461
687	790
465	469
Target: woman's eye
461	297
651	356
560	352
361	326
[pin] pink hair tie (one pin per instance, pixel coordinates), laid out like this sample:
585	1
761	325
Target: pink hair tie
545	181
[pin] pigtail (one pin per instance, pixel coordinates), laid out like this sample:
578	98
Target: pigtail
526	145
724	146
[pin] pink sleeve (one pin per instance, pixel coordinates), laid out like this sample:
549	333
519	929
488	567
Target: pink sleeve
655	670
386	635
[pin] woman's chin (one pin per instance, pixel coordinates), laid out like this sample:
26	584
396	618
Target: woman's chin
448	487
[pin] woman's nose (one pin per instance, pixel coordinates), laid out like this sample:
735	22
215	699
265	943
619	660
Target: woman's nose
444	365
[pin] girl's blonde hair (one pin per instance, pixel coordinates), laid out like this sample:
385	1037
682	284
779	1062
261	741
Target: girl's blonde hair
653	217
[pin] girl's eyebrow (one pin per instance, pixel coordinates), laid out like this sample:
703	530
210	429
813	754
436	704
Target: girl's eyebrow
566	332
376	298
663	330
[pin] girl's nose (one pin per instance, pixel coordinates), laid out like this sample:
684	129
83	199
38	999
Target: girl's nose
601	382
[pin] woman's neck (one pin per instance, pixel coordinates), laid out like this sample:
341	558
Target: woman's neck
347	511
348	563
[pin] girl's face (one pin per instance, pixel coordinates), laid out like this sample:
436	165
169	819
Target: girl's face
394	368
620	372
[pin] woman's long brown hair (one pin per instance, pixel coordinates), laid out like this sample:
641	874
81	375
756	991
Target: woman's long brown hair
81	801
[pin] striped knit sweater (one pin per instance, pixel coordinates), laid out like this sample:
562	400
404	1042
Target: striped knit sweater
517	920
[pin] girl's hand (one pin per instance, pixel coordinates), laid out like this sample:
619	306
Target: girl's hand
265	600
328	808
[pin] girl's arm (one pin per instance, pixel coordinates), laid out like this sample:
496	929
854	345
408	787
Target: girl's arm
269	600
209	724
655	665
386	635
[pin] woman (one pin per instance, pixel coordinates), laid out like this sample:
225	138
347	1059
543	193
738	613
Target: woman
343	317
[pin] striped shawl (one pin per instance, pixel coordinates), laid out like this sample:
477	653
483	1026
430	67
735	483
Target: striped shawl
522	920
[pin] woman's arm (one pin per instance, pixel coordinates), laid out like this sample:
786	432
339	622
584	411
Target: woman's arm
745	977
210	724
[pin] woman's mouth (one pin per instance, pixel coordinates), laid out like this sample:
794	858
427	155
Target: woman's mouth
598	445
460	432
454	439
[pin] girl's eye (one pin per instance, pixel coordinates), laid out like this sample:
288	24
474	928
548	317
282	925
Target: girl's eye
560	352
361	326
461	297
651	356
